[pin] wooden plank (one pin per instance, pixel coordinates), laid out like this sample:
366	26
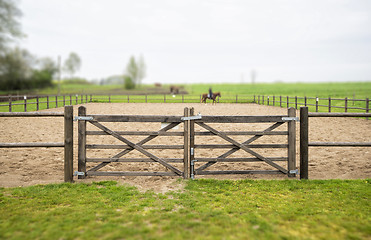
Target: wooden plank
30	145
218	146
238	172
243	147
186	172
240	119
271	128
32	114
94	173
112	146
291	139
339	144
137	133
339	114
173	160
192	143
137	147
81	159
136	118
68	143
244	133
239	159
304	142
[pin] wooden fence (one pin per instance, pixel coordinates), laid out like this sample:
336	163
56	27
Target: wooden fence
188	145
68	137
304	137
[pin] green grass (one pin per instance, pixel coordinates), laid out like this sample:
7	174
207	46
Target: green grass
206	209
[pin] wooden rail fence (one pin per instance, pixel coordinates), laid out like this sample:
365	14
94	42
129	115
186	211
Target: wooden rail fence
304	137
68	137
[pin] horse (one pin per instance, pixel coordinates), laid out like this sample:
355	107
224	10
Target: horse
174	90
205	96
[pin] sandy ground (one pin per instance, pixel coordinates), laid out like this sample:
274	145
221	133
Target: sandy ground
30	166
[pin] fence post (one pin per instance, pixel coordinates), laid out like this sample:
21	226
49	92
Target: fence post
280	101
47	102
64	100
37	103
274	100
305	101
70	100
329	104
186	147
56	101
128	99
10	103
304	142
81	156
268	101
317	100
191	144
25	103
288	104
77	98
254	99
291	112
91	98
164	98
263	99
346	104
182	98
296	102
236	98
367	106
259	99
68	144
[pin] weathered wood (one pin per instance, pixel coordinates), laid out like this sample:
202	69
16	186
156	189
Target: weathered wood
68	143
136	118
93	173
291	128
271	128
10	103
243	147
147	139
239	159
173	160
238	172
339	114
240	119
137	147
25	103
138	133
218	146
244	133
339	144
346	104
329	104
192	143
30	145
112	146
37	103
304	142
186	164
32	114
81	159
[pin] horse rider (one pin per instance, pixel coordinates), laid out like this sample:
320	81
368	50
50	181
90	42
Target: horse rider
210	95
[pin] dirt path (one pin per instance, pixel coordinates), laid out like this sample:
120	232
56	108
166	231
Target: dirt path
23	167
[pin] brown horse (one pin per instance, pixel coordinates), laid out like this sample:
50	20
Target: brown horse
205	96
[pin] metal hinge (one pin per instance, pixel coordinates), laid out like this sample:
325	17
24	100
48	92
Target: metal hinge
82	118
191	118
296	171
290	119
77	173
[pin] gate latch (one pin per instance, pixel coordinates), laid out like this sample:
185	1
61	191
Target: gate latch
77	173
296	171
192	117
82	118
290	119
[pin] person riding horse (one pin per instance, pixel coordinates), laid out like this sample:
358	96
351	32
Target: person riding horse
210	95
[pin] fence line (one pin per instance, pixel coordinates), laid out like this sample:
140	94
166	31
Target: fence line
68	137
319	104
304	137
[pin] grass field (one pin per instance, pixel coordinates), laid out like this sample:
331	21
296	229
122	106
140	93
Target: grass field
206	209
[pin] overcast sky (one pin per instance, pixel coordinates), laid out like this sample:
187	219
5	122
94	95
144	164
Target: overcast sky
206	40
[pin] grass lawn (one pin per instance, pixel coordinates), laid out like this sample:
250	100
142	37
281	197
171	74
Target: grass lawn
206	209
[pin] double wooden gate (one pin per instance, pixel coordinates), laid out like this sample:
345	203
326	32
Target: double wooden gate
189	163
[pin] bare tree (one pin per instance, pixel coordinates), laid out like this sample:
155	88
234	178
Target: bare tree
10	27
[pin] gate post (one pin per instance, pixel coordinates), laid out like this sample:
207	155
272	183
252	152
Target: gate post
292	142
81	143
186	146
68	144
192	143
304	142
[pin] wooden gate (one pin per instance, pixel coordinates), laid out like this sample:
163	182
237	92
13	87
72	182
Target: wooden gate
127	146
200	164
189	160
